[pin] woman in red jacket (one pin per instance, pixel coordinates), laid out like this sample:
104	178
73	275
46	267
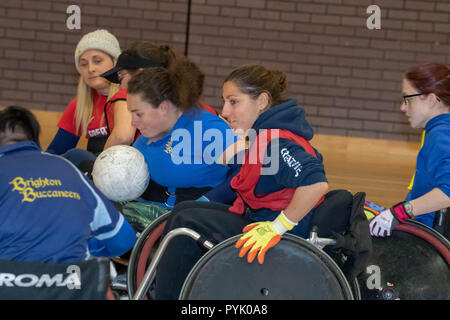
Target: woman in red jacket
85	115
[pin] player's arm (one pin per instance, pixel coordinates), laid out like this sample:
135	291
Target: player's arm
112	235
115	245
429	202
123	132
62	142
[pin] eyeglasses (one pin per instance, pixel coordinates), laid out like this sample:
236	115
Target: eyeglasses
410	96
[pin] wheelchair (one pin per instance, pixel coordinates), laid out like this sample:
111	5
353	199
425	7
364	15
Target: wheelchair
212	277
143	251
441	222
146	249
412	264
306	268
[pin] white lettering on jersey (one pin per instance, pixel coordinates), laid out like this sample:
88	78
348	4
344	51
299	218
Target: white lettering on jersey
291	161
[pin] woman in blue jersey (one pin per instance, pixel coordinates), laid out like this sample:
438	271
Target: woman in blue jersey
426	103
181	142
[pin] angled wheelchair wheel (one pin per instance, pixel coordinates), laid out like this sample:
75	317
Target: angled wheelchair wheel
142	253
293	270
411	264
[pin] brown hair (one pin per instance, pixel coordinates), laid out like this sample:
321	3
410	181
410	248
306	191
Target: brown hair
431	77
256	79
181	84
164	54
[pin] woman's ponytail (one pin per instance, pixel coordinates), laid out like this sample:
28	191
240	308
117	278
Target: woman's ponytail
181	84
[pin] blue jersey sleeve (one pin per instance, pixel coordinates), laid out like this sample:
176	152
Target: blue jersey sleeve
442	176
439	160
111	233
62	142
122	241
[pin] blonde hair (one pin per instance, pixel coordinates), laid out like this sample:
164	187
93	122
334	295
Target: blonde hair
85	104
106	42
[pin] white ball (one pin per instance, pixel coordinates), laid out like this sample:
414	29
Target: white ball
121	173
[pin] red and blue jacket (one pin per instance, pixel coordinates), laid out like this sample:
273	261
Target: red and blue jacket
245	181
286	165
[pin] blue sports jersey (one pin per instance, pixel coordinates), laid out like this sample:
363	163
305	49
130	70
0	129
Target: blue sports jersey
49	210
186	156
433	163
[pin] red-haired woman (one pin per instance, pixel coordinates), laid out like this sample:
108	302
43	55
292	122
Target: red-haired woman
426	103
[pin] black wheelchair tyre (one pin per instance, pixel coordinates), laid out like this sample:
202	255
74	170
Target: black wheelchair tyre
409	267
432	231
293	270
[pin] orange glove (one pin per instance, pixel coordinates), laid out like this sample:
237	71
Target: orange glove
261	236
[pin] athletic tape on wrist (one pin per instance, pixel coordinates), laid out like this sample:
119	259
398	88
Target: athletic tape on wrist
285	221
278	226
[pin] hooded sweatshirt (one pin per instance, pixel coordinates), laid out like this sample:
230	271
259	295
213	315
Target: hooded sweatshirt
286	163
433	163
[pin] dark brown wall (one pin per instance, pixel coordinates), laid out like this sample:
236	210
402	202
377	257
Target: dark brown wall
346	76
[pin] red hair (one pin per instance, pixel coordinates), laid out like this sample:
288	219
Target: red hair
431	77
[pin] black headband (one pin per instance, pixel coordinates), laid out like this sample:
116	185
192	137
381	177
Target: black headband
127	61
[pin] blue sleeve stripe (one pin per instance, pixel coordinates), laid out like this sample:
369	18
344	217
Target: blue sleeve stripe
113	232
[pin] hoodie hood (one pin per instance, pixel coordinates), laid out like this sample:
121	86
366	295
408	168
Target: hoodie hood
288	116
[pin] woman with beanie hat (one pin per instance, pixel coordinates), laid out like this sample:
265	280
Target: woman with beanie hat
87	114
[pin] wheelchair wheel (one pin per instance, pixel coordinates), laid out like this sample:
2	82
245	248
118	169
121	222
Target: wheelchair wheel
411	264
354	285
293	270
142	253
441	223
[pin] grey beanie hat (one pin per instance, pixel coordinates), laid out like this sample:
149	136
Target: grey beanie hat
99	39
